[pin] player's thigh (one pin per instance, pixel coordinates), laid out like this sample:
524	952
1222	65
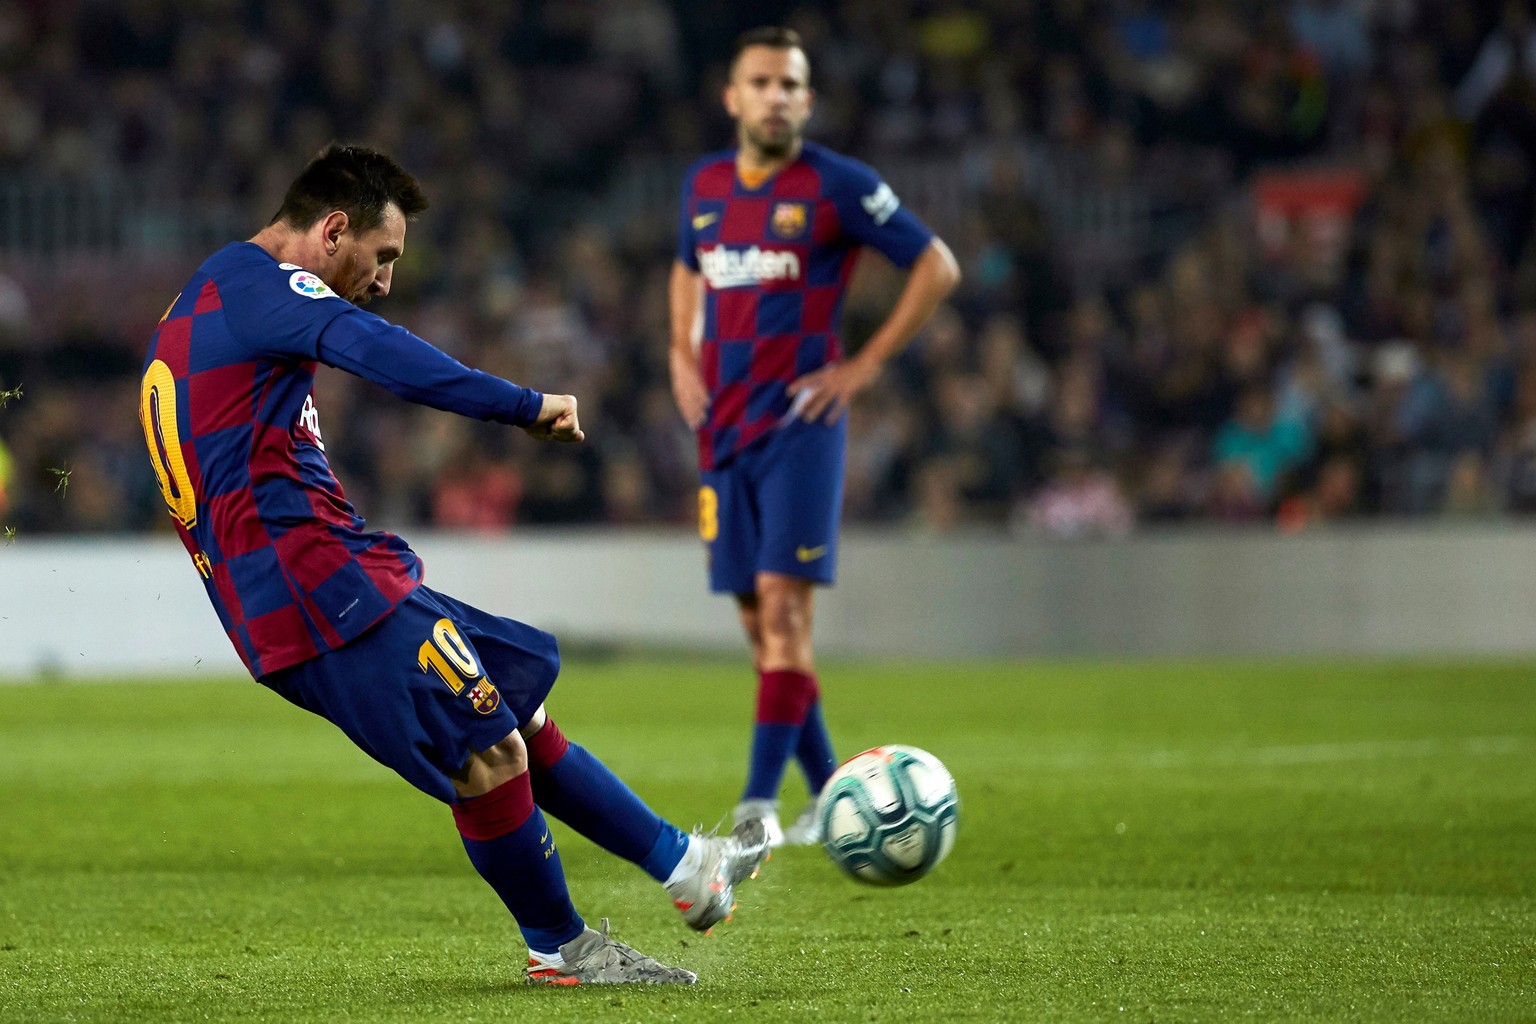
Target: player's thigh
730	527
800	497
520	661
411	692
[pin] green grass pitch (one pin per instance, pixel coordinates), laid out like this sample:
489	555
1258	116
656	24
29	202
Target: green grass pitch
1276	841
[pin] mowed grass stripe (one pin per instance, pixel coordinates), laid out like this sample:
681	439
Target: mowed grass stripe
1210	841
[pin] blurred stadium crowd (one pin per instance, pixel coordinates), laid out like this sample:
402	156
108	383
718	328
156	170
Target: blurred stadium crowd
1234	260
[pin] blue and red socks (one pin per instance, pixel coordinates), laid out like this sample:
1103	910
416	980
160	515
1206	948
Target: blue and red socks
784	701
581	791
814	750
510	845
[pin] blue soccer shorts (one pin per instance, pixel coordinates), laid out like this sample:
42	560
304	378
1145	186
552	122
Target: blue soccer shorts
775	507
433	681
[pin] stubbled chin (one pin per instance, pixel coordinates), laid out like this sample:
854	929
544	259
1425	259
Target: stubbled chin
775	146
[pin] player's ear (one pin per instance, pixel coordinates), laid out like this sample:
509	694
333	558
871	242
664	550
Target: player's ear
729	98
332	226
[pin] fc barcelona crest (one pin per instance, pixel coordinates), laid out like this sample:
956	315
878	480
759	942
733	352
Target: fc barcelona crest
485	697
789	219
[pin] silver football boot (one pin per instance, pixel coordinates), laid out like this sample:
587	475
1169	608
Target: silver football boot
709	896
594	958
765	811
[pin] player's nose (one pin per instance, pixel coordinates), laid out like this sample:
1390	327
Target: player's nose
380	286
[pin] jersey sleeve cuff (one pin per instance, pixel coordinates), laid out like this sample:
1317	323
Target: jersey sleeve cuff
528	407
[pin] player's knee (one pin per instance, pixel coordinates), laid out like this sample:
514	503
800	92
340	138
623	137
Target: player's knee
486	769
535	722
785	617
511	752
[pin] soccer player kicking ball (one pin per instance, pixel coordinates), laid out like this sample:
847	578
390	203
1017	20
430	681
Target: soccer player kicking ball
767	240
336	619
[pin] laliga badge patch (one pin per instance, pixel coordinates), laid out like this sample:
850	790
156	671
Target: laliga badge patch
308	285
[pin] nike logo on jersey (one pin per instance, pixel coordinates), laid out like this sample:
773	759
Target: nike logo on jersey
805	554
704	220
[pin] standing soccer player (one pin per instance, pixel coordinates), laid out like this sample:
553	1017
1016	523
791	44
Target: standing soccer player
767	240
336	619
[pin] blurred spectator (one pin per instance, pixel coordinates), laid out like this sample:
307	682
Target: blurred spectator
980	443
1080	499
883	435
938	506
1267	446
1336	32
1168	491
477	493
1468	492
1333	495
1509	52
1234	496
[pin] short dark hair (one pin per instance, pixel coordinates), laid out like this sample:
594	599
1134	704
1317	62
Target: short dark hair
357	180
775	37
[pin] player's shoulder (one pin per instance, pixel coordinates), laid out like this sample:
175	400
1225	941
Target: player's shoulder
712	171
838	168
719	156
237	260
249	268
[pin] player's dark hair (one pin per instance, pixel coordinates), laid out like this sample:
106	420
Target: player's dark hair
775	37
357	180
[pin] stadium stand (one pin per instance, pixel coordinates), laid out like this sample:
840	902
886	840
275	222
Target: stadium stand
1241	262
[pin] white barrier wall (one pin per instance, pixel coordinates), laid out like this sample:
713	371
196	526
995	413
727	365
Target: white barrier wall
88	607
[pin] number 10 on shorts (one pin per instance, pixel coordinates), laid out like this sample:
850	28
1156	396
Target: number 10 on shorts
449	656
453	660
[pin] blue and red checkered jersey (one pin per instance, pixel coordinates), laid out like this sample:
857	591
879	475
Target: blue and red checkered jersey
229	416
776	260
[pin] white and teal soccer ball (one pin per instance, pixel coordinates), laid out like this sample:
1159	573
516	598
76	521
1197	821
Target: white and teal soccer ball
889	814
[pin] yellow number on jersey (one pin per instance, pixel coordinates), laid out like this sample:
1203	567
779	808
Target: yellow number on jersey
709	514
449	656
157	412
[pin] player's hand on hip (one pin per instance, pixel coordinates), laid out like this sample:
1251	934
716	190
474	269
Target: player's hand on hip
557	420
825	394
689	392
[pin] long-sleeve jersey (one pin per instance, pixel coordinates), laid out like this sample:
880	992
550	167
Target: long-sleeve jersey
228	411
776	260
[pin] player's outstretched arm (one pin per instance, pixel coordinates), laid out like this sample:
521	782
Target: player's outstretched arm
930	281
557	420
414	369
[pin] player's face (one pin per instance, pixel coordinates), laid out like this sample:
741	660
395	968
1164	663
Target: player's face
770	97
365	261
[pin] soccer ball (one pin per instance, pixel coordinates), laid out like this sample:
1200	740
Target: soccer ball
889	815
